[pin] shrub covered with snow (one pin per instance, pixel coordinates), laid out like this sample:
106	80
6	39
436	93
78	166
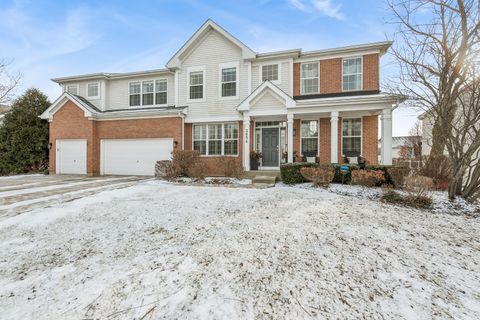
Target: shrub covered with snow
368	178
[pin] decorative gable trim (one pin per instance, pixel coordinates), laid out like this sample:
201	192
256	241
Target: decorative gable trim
191	43
260	91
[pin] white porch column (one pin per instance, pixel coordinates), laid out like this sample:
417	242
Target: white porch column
334	137
387	137
290	138
246	142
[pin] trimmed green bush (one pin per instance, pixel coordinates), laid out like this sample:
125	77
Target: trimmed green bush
291	171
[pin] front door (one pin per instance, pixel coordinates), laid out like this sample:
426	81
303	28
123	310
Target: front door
270	147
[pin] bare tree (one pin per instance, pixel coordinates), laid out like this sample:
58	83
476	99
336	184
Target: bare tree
8	83
436	54
414	140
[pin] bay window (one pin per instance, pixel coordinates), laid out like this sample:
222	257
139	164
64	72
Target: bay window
352	74
216	139
309	137
352	137
309	78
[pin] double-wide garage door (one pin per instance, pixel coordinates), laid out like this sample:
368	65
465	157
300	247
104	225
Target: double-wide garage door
133	156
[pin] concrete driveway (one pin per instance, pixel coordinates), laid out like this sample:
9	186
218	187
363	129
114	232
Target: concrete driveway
25	192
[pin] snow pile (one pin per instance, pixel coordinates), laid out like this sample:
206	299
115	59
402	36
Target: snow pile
213	181
173	251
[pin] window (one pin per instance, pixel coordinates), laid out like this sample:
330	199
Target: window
72	88
147	93
310	78
134	92
161	92
352	137
216	139
93	90
196	85
270	72
229	82
352	74
309	136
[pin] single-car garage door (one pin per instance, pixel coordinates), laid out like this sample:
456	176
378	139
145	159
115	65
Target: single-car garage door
133	156
71	156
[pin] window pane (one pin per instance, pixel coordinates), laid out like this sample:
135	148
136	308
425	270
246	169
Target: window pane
231	147
270	72
134	87
214	131
214	147
352	74
352	127
310	146
161	98
231	131
309	70
200	146
229	89
92	90
196	92
196	78
160	85
352	146
310	85
309	128
229	74
199	132
148	99
134	100
72	89
147	86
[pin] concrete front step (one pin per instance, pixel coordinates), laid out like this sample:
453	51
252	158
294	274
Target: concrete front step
264	181
262	173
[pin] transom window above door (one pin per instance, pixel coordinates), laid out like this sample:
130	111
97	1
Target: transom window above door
310	79
270	72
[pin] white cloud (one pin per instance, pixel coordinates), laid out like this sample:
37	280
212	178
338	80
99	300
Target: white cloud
324	7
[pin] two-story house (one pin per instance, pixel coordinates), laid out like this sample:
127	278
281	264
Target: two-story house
219	97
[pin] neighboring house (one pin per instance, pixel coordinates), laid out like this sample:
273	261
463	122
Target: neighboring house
399	143
3	110
219	97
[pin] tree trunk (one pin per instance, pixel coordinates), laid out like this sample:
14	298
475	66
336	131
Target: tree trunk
438	141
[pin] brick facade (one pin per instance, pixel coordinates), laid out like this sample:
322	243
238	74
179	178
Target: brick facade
70	123
331	75
370	139
371	78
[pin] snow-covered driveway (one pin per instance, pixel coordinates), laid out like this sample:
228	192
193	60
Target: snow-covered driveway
157	250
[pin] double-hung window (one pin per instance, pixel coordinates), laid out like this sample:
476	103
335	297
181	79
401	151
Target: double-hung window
310	79
228	80
147	93
352	137
160	91
196	83
309	136
352	74
72	88
216	139
270	72
93	90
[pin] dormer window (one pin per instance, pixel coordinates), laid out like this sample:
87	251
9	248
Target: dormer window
352	74
270	72
310	79
93	90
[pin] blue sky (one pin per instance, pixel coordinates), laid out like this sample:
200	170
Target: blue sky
46	39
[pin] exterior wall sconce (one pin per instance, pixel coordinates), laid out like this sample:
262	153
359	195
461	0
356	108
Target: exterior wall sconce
50	145
175	143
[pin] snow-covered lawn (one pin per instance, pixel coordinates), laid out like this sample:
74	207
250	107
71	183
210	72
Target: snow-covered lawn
163	250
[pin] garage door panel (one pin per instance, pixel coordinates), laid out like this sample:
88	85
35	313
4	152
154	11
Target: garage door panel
134	156
71	156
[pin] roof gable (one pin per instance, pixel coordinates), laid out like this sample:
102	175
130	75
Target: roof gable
266	90
80	102
199	35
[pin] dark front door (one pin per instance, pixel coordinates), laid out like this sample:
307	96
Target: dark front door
270	147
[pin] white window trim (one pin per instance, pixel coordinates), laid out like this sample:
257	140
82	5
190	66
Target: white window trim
206	155
155	92
141	93
318	135
227	65
260	72
361	73
73	85
301	82
197	69
361	135
93	97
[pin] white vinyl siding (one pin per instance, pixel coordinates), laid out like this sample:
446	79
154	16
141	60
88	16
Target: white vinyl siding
352	74
93	90
352	137
216	139
310	78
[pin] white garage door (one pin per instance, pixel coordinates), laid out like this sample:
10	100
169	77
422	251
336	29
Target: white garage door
71	156
133	156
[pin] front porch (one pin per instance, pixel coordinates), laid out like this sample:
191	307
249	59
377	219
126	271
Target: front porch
326	130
